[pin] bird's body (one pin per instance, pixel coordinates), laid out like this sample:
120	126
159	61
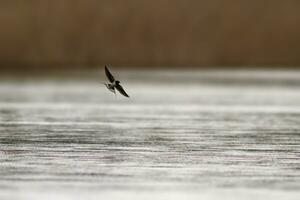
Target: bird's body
110	87
114	84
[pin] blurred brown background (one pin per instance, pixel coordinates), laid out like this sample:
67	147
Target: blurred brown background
83	33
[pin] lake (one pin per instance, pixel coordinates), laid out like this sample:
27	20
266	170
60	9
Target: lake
183	134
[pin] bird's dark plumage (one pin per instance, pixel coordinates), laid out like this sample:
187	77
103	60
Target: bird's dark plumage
115	84
109	75
121	90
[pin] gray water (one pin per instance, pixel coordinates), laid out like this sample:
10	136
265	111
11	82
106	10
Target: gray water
181	135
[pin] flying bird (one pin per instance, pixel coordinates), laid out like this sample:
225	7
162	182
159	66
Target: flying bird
114	84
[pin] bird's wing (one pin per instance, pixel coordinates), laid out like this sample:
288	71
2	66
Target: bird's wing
109	75
121	90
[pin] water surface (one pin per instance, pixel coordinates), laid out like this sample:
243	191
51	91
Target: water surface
182	134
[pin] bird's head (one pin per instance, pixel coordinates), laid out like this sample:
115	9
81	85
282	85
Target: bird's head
117	82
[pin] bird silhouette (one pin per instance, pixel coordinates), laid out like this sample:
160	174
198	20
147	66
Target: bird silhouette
113	83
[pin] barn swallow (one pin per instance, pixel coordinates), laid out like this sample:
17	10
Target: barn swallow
114	84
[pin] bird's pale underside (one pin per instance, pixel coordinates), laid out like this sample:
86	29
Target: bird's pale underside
114	84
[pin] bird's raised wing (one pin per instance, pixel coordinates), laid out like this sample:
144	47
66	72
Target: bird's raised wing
121	90
109	75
